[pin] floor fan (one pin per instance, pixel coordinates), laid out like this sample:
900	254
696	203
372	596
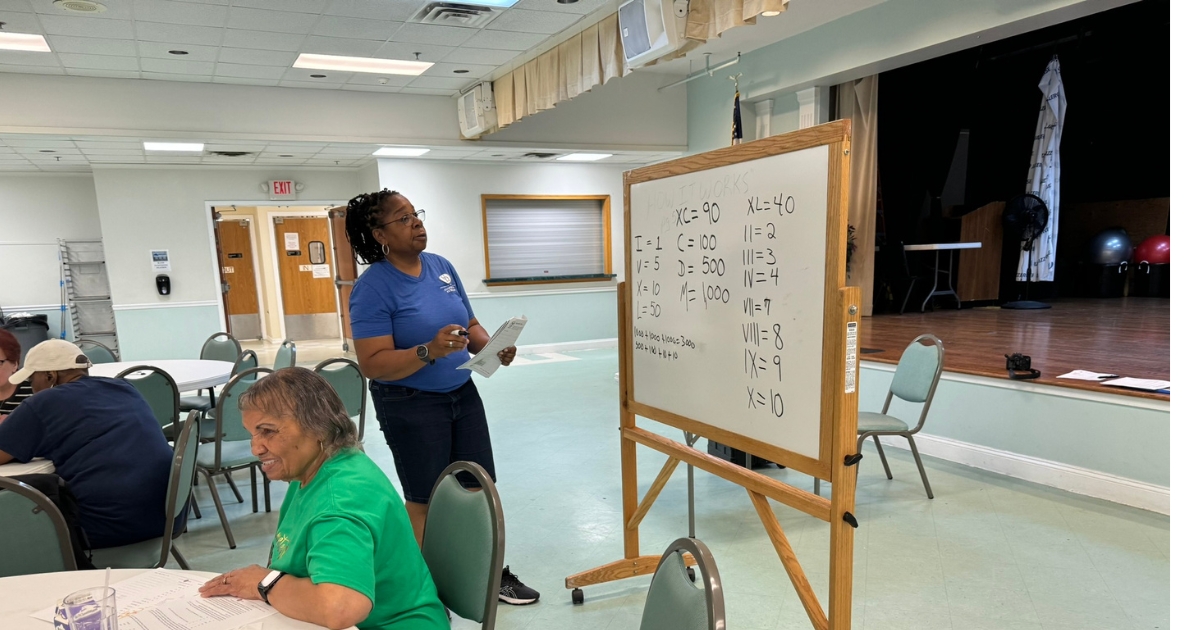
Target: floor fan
1025	217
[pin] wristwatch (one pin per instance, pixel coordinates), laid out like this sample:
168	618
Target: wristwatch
267	584
423	354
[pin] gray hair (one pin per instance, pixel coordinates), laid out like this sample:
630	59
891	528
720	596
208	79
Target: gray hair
308	398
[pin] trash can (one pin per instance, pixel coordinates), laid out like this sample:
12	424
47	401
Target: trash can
30	330
1151	280
1104	280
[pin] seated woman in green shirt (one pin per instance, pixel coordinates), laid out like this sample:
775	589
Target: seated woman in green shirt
344	553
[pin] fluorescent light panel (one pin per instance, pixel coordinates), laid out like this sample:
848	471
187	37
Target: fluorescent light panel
584	157
360	64
400	151
24	42
179	147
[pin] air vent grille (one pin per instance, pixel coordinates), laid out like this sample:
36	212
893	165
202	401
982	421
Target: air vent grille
540	156
450	14
230	153
80	6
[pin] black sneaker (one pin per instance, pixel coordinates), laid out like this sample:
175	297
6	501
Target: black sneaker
512	591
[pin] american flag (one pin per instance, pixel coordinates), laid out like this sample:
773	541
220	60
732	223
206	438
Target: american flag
737	117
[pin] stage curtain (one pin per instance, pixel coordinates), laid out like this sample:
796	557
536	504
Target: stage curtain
520	94
570	64
532	86
589	76
752	8
709	18
612	58
547	88
502	92
858	102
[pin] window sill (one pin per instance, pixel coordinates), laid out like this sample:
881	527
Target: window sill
591	277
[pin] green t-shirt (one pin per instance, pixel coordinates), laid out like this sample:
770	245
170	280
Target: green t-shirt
348	527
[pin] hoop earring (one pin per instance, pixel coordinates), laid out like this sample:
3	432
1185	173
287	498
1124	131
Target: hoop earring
386	250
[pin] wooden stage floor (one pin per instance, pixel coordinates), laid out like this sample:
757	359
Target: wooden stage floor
1127	337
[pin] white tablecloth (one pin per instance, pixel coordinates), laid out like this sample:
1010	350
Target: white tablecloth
13	469
24	595
189	374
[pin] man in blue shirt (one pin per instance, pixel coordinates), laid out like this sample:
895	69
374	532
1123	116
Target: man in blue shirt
103	439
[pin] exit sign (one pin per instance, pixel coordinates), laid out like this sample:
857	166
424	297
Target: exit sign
281	189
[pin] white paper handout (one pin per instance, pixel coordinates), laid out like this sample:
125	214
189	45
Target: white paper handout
487	362
170	600
1147	384
1084	375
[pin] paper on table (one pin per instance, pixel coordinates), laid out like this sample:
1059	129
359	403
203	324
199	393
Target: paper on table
170	600
1148	384
1084	375
485	363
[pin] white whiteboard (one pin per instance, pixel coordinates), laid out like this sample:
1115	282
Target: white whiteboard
727	292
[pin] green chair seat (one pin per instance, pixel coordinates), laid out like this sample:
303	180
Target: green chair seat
233	455
871	421
140	555
195	403
208	430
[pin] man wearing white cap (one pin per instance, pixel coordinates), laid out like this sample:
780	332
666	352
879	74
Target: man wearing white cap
102	437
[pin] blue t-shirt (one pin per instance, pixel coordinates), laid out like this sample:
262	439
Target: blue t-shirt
106	444
388	302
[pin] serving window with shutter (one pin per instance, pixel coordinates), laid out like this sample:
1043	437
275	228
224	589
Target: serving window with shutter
531	239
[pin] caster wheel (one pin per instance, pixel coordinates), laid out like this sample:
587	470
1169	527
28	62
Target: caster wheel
691	574
577	597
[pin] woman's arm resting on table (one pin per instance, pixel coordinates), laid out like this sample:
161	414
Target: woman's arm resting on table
330	605
479	338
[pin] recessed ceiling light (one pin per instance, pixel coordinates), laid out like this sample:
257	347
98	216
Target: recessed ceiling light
178	52
764	13
567	1
179	147
286	155
400	151
461	71
360	64
497	155
80	6
45	151
318	76
24	42
584	157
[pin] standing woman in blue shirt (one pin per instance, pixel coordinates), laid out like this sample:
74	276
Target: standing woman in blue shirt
413	327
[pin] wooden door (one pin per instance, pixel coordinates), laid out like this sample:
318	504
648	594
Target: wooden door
237	273
306	278
345	271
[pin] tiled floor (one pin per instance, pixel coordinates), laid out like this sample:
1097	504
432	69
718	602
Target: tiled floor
988	553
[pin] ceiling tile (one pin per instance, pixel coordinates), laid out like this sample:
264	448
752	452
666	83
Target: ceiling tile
188	13
368	78
429	92
446	69
340	46
55	69
505	40
102	145
99	62
35	143
249	72
177	66
340	151
178	34
520	21
117	159
160	50
387	89
303	74
111	152
339	26
262	40
93	45
21	23
252	147
167	76
433	34
404	50
480	56
172	159
299	6
24	58
394	10
311	85
87	26
245	81
440	83
16	6
274	21
257	57
580	7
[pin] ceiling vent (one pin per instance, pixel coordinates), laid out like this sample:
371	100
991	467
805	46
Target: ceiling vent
80	6
450	14
230	153
539	156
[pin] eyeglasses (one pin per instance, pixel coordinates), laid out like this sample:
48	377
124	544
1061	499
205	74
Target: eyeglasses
406	219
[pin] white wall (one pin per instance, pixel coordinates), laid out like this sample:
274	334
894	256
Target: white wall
35	211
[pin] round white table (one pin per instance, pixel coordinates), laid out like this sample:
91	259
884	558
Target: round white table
34	467
189	374
23	595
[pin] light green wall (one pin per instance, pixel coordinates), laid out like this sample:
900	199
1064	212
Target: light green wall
1119	439
165	333
554	318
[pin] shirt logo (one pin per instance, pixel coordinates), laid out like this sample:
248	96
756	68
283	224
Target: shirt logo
449	286
445	278
282	543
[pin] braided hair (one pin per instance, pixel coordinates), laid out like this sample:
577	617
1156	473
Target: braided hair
362	217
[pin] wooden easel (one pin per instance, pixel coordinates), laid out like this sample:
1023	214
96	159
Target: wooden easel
838	402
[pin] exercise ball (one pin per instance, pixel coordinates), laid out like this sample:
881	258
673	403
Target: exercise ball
1155	250
1110	247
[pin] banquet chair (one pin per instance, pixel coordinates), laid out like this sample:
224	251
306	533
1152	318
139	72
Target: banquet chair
231	450
464	543
34	537
678	602
347	379
152	553
218	347
915	380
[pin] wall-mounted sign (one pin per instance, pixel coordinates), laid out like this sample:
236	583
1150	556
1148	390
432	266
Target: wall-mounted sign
291	241
227	269
281	189
159	260
320	271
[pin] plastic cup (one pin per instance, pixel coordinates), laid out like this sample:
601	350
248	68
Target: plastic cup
89	609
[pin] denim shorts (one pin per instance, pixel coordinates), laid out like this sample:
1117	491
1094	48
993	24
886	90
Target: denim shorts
427	431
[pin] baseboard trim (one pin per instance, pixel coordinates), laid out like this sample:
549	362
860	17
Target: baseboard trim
568	346
1042	471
